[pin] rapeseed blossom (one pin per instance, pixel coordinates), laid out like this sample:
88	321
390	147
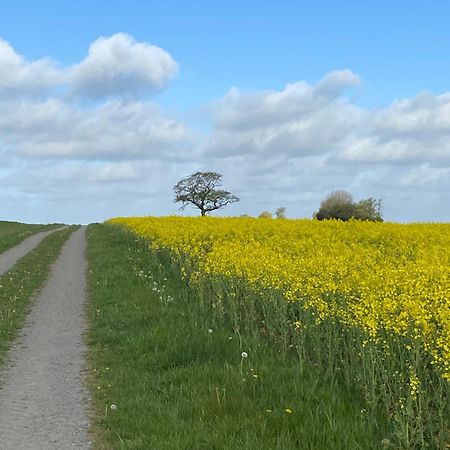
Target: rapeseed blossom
382	278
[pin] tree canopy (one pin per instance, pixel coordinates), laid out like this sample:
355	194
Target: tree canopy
201	189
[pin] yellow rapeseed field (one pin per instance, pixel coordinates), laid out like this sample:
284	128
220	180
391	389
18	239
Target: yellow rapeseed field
383	278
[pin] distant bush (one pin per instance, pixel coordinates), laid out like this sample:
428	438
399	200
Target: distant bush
265	215
339	205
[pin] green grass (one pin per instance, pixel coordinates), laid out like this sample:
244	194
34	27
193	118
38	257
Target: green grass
23	281
12	233
178	386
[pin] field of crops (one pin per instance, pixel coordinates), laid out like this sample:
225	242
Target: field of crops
370	301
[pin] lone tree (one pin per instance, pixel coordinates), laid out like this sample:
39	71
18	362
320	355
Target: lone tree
340	205
201	190
280	213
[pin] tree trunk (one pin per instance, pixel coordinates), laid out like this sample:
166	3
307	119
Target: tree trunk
203	212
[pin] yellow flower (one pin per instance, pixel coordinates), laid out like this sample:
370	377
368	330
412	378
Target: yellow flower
385	279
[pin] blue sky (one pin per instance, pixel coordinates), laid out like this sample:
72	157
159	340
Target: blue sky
399	48
396	50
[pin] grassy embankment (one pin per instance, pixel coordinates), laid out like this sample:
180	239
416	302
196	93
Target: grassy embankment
22	282
166	375
12	233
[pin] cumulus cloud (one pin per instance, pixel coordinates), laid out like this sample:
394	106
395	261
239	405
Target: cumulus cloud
112	130
120	65
115	66
304	120
19	77
300	120
305	140
415	130
337	82
65	158
425	175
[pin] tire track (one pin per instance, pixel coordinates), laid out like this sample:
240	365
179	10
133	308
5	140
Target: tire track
9	257
43	398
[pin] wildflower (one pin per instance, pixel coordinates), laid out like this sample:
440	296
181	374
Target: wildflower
113	407
210	330
414	384
244	355
288	411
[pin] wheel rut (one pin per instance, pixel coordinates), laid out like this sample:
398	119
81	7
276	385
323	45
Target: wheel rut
43	400
9	257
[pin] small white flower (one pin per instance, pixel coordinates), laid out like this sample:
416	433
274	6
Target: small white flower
244	355
210	330
113	407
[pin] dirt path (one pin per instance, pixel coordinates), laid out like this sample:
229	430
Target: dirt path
11	256
42	396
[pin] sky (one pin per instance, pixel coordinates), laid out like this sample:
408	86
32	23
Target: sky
104	106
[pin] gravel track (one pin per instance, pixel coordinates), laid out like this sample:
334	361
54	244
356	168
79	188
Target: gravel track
9	257
43	401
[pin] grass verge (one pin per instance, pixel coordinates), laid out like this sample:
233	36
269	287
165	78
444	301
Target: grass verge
23	281
166	375
12	233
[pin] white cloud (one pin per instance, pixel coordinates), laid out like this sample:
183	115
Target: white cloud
415	130
112	130
305	120
426	115
300	120
115	66
337	82
425	175
19	77
65	158
119	65
295	145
